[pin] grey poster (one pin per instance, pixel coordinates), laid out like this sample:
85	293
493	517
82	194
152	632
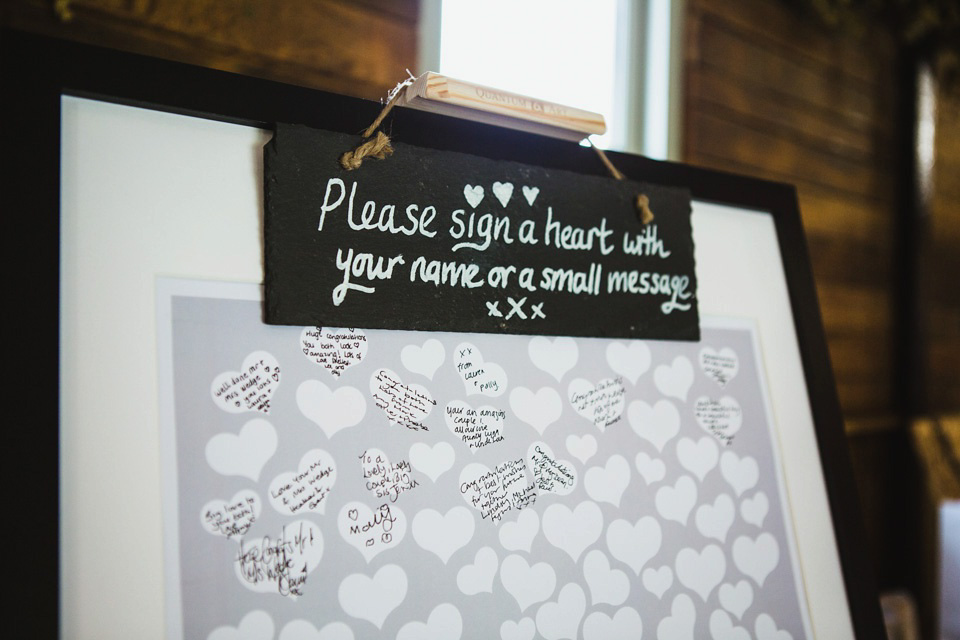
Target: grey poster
335	483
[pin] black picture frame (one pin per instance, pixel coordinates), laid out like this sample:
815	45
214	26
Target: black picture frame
37	71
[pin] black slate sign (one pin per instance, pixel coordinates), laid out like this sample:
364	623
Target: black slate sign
442	241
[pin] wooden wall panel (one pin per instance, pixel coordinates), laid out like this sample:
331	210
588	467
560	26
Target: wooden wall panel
354	47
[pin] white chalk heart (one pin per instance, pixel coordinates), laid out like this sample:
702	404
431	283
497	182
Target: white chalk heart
232	517
494	492
736	598
406	405
607	483
555	356
444	623
530	193
503	192
720	418
243	454
425	359
714	520
634	543
479	377
307	488
674	380
249	389
674	503
280	563
371	531
478	577
756	558
657	424
334	349
630	360
373	599
433	461
754	510
572	531
473	195
721	366
607	586
601	404
527	584
476	427
443	533
560	620
582	447
701	571
550	475
698	457
539	410
652	469
657	581
519	535
741	473
722	627
331	409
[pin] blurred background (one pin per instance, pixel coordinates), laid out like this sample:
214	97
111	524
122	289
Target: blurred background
856	102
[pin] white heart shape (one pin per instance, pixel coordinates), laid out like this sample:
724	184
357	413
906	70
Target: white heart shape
479	377
607	483
657	424
607	586
555	356
405	405
303	630
625	623
503	192
519	535
530	193
674	380
433	461
249	389
657	581
443	534
736	598
754	510
334	349
280	563
331	410
766	629
582	447
756	558
601	404
674	503
243	454
473	195
572	531
373	599
385	479
720	418
652	469
497	491
477	428
560	620
741	473
424	360
523	629
550	475
307	488
444	623
714	520
527	584
681	621
539	410
701	571
256	625
630	360
698	457
232	517
722	627
371	531
721	366
478	577
634	543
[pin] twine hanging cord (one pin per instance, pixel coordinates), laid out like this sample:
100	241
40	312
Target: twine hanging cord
642	202
378	146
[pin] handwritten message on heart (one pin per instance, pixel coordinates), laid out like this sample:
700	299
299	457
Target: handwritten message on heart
721	365
371	531
280	563
601	404
334	349
549	474
234	517
479	377
406	405
497	491
250	388
307	488
383	478
721	418
476	427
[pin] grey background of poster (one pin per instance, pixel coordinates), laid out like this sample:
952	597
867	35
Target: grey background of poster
211	336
